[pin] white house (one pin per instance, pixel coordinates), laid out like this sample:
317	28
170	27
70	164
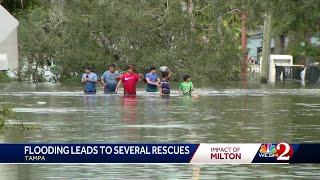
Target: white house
8	41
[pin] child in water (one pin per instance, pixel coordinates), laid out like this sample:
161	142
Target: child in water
186	87
164	83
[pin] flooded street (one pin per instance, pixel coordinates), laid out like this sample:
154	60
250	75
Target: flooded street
221	114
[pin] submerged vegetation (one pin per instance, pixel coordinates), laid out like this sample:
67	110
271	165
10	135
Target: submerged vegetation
4	77
204	38
7	113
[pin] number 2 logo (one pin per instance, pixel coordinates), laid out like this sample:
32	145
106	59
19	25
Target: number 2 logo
284	151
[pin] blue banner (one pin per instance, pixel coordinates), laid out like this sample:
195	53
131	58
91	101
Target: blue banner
161	153
97	153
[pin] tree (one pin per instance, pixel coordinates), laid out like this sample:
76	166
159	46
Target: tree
204	38
266	48
16	5
77	33
295	21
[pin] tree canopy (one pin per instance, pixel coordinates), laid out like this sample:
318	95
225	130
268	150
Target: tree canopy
201	38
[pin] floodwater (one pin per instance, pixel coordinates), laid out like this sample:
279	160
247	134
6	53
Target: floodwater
223	113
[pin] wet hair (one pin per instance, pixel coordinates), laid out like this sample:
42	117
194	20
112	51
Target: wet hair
186	77
89	68
165	74
112	65
152	68
130	66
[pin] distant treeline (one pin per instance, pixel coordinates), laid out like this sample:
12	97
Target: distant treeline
202	38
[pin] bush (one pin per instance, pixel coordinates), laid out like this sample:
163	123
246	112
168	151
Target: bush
4	77
78	33
5	113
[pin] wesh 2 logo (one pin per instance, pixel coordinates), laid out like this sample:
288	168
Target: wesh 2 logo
281	151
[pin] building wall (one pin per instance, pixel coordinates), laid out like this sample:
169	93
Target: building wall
254	43
9	49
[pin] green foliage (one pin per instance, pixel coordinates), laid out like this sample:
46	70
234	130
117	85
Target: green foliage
204	42
78	33
298	21
4	77
16	5
5	113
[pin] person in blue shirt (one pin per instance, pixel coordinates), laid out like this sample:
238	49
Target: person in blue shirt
109	79
89	79
152	80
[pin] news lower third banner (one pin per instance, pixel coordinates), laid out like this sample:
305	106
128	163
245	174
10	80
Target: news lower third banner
160	153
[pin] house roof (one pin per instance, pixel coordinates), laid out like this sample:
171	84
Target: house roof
8	23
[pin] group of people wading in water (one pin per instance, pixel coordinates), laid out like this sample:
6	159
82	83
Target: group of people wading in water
112	80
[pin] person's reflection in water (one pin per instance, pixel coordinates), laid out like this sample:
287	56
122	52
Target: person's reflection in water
130	109
165	100
90	101
192	137
196	172
129	117
109	100
186	101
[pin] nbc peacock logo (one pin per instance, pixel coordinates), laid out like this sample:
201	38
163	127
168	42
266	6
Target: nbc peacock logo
268	150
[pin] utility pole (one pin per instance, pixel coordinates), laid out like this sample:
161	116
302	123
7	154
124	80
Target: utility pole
266	50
